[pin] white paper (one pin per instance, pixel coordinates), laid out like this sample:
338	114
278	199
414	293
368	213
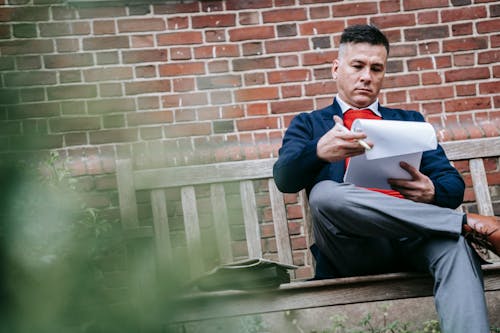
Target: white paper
393	141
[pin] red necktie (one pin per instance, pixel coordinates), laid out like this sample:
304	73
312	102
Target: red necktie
353	114
349	117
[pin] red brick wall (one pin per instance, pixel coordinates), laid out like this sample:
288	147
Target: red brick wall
177	79
204	81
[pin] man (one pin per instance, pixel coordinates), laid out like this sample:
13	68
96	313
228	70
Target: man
414	225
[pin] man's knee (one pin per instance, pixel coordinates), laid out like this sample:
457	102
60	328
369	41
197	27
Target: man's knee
327	195
450	255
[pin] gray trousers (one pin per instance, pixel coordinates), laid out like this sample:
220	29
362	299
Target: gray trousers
364	232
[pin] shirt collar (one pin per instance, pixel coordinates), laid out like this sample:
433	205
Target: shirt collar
345	107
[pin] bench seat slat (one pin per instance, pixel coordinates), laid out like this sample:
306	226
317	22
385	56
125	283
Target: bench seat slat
321	293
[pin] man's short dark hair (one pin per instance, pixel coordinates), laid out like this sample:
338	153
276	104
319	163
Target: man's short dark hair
364	33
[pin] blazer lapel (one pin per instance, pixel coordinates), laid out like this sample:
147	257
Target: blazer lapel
389	114
328	113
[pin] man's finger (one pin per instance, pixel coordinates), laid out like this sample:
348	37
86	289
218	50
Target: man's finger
414	173
338	120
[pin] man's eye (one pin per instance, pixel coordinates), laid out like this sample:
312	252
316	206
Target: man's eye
376	69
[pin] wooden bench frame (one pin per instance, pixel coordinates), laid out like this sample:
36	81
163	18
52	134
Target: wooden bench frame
297	294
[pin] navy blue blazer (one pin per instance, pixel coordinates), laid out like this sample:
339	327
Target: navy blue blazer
299	167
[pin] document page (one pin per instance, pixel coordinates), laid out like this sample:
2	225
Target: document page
394	141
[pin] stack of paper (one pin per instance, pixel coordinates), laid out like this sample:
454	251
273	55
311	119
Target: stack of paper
394	141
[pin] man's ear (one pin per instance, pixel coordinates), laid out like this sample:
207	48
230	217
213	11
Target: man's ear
335	66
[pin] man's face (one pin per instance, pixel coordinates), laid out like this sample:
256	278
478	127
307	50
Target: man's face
359	72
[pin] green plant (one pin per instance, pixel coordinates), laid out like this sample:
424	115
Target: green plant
368	324
431	326
50	245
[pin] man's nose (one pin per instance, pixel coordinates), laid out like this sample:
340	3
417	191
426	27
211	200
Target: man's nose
366	75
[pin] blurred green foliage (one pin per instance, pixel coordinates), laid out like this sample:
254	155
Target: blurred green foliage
53	256
50	250
379	322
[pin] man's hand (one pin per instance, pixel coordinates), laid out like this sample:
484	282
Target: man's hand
419	189
338	144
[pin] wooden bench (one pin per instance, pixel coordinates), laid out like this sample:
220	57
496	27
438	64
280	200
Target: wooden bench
208	192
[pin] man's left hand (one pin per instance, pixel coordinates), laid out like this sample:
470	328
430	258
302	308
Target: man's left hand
419	188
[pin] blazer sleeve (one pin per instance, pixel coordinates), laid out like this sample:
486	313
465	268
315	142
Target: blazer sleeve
449	185
298	164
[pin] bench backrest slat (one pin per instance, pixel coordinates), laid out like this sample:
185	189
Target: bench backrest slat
250	219
203	174
308	226
162	231
480	185
192	227
221	222
280	222
467	149
126	194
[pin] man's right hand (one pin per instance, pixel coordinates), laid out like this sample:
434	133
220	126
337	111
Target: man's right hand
338	144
